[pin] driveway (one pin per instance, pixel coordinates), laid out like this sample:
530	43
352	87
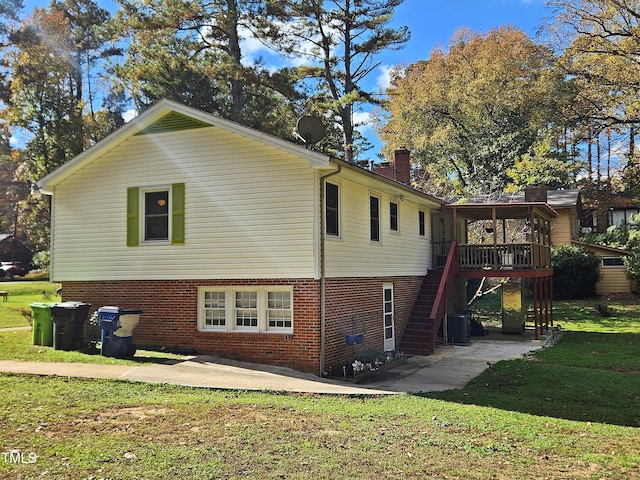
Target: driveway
448	368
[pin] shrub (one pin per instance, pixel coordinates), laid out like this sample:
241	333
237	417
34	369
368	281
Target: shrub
41	260
575	272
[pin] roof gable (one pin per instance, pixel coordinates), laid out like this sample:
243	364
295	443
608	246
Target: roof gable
170	116
173	122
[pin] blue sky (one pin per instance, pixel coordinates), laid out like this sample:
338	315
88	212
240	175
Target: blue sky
432	23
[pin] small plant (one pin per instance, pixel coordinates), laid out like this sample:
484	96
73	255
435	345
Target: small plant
603	310
92	334
370	360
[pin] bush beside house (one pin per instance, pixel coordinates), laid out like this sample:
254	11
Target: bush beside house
575	272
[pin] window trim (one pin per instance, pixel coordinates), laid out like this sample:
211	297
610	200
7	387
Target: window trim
337	209
397	217
422	223
621	265
378	240
262	306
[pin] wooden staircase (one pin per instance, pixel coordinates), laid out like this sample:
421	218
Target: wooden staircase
420	331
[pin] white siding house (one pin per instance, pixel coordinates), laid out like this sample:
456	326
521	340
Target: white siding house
184	215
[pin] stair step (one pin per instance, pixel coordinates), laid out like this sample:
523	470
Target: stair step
420	330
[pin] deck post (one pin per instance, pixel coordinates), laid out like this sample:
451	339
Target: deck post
536	333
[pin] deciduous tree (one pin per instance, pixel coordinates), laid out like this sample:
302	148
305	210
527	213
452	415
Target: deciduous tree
470	112
600	41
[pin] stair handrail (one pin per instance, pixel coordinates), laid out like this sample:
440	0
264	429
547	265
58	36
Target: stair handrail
444	288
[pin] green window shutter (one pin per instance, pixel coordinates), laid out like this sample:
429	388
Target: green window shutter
177	213
133	198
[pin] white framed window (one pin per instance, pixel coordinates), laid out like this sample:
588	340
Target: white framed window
374	219
214	310
156	214
394	222
389	317
279	311
246	309
156	219
612	262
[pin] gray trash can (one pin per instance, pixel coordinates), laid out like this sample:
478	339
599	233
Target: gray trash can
68	324
459	329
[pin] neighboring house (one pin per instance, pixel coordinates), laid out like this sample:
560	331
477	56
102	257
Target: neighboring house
613	273
566	231
620	208
13	250
239	244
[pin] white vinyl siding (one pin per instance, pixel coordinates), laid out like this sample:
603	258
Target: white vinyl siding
250	211
396	255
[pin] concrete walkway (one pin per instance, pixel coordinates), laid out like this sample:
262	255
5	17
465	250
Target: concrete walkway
448	368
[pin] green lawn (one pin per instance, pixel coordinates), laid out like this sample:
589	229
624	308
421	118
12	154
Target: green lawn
15	312
567	412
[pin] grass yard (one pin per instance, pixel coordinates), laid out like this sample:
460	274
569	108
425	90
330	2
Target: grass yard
567	412
81	429
15	312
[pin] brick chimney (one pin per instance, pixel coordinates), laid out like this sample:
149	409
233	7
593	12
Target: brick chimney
535	194
399	170
402	165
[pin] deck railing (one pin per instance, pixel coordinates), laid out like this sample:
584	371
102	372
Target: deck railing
506	256
444	290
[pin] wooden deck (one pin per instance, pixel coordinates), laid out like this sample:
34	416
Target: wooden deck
501	259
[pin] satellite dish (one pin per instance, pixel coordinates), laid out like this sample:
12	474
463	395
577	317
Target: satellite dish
310	129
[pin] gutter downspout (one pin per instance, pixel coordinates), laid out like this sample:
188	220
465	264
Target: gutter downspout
322	265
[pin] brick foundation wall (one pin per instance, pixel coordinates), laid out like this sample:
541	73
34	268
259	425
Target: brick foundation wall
170	318
171	311
355	305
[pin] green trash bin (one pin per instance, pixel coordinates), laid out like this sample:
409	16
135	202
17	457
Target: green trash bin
42	324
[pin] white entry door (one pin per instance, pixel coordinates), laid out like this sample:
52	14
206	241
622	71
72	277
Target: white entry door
389	329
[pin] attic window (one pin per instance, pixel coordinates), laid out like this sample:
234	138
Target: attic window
612	262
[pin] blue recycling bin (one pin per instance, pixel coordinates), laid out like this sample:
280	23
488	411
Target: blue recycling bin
117	326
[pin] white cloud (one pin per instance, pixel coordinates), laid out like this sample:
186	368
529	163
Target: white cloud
363	121
129	115
383	80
